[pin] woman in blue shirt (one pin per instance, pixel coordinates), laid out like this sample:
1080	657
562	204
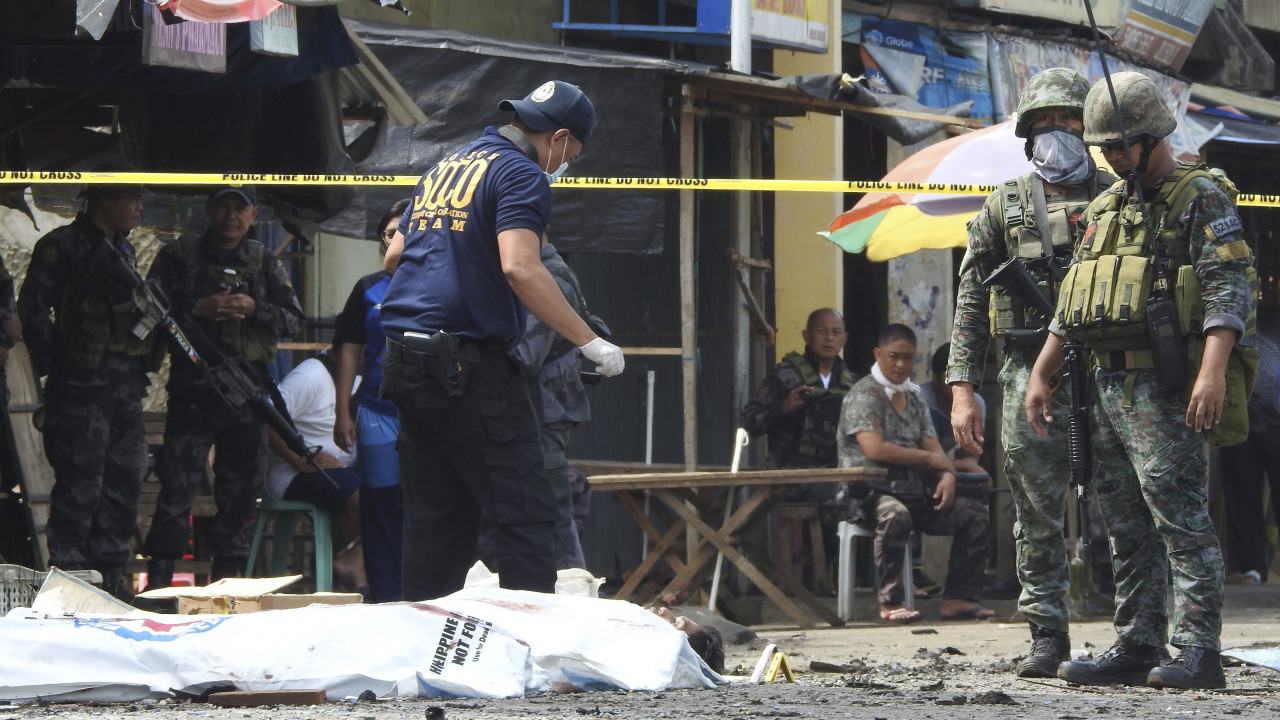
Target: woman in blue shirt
373	430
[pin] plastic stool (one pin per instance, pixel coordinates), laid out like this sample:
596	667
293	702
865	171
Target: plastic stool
285	514
848	570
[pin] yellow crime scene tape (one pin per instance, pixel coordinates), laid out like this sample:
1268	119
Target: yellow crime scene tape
747	184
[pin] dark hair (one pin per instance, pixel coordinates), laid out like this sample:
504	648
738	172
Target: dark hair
940	357
813	317
894	332
709	645
396	211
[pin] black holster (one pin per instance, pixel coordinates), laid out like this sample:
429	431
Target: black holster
441	356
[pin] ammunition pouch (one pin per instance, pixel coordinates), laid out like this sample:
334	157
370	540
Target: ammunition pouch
91	327
1103	302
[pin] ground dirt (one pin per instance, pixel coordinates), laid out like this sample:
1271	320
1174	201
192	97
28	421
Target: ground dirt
934	669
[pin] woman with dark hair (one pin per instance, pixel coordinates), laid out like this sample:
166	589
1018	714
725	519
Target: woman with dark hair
370	424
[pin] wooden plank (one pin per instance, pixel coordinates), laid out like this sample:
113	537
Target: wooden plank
259	698
795	476
28	442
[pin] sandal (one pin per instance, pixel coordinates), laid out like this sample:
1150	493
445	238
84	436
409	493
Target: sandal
899	616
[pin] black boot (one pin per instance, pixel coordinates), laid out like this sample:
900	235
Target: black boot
159	572
1195	668
1121	665
225	567
113	582
1049	649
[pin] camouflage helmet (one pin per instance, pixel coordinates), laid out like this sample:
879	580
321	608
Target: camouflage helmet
1144	111
1052	88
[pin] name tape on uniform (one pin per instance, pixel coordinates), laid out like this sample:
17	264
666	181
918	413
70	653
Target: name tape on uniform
751	185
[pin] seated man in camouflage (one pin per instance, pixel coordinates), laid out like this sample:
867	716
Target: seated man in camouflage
798	403
885	423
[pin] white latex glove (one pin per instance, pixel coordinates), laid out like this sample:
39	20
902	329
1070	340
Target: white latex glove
607	356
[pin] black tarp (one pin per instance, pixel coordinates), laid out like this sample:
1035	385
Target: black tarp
458	79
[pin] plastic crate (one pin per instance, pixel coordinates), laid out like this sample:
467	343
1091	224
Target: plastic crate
19	585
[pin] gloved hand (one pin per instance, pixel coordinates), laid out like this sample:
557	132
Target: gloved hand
607	356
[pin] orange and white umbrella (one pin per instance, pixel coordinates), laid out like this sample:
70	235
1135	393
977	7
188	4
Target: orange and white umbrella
220	11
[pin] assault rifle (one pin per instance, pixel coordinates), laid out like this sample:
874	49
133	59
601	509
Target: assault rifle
232	377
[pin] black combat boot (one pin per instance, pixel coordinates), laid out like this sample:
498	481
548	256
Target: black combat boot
1195	668
1121	665
159	572
225	567
1049	649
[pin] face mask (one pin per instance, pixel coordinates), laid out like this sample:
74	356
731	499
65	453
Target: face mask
1061	158
560	170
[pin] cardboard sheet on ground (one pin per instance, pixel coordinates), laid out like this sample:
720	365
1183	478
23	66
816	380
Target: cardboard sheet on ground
1268	657
480	642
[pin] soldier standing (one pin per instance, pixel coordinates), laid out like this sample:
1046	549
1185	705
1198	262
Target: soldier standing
242	302
1168	221
1032	218
96	368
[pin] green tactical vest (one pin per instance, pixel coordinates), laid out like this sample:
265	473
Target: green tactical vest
1103	298
96	317
256	342
819	436
1024	240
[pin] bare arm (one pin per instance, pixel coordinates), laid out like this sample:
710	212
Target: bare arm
521	264
928	454
1039	401
344	426
1205	407
966	418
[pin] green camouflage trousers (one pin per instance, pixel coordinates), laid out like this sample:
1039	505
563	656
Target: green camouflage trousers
1038	473
1159	521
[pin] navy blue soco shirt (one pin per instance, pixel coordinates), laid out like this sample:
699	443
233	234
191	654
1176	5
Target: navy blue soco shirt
450	273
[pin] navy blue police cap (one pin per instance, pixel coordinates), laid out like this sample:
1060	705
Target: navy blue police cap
554	105
245	192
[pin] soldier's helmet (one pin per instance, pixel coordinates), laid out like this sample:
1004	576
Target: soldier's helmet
1052	88
1142	107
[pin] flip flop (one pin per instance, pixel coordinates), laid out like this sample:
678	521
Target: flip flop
900	616
974	612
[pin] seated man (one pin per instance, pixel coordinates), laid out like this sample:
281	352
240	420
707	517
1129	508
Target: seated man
884	423
937	397
798	404
308	392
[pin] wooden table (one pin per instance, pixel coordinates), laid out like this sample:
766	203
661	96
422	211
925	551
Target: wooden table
677	490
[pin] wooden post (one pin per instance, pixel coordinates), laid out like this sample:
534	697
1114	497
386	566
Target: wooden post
688	291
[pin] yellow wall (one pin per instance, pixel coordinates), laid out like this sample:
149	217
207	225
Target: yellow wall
807	269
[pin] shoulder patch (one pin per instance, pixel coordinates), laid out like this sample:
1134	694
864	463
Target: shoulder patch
1234	250
1223	226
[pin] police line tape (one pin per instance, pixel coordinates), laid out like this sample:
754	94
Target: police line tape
751	185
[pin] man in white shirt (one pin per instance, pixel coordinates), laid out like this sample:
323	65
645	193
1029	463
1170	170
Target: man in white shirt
308	392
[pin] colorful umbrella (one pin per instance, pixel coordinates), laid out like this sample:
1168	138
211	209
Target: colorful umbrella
220	11
888	225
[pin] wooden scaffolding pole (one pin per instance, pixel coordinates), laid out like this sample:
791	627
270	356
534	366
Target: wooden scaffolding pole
688	291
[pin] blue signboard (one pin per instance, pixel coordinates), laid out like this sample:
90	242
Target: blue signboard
937	69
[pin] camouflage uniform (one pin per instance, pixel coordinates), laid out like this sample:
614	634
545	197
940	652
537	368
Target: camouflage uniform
93	431
1036	467
801	439
551	366
906	502
197	417
8	310
1159	521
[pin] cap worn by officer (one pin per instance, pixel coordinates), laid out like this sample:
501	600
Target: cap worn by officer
244	192
555	105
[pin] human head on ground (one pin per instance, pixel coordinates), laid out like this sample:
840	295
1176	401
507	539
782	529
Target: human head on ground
824	333
895	352
113	208
706	642
558	118
390	223
1145	122
231	212
1051	118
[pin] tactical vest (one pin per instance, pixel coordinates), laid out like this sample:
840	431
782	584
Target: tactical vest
1024	240
818	440
96	317
1103	298
255	341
